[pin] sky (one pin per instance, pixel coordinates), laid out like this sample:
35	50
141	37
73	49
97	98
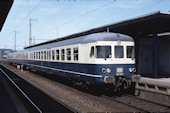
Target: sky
52	19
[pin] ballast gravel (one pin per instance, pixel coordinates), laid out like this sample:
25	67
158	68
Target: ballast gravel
79	100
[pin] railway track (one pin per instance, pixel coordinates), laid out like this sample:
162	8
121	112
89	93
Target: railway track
35	99
142	104
137	103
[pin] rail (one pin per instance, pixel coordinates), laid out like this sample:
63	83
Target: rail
141	104
39	95
19	90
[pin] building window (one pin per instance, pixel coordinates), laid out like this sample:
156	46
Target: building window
119	53
53	55
57	54
62	54
76	51
68	54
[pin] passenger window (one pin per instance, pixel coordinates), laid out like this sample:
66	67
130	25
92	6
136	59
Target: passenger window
45	55
49	55
30	55
103	51
57	55
130	52
34	55
42	55
62	54
39	55
92	52
76	51
53	54
68	54
119	53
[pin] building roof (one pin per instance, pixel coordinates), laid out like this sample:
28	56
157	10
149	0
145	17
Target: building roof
5	6
144	25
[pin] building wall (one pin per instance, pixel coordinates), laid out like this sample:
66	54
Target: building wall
146	57
164	57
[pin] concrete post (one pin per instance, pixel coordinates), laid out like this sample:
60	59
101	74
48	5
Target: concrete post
155	55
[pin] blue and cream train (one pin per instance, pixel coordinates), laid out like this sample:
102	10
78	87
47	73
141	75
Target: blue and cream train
98	58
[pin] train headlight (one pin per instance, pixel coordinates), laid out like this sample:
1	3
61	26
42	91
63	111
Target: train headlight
103	70
108	70
132	70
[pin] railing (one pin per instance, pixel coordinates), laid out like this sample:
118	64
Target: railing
154	85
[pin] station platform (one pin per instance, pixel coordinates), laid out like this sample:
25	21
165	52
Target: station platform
9	103
156	81
156	88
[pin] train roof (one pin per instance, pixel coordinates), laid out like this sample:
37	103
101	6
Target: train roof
104	36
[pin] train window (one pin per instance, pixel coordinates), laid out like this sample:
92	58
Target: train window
39	55
34	55
57	55
103	51
62	54
119	52
53	54
92	52
68	54
76	51
31	55
130	52
49	55
44	55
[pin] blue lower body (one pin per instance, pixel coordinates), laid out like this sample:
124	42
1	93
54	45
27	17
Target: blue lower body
88	72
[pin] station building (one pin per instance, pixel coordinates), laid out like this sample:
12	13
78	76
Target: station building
151	34
5	6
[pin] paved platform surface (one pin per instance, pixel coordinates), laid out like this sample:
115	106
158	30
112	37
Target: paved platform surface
6	104
9	101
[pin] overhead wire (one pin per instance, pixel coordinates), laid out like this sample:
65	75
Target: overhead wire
60	12
18	25
29	14
84	14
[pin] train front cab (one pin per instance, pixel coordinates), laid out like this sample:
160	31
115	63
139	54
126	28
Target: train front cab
114	61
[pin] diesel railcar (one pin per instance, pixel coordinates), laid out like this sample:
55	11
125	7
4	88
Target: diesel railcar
99	58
